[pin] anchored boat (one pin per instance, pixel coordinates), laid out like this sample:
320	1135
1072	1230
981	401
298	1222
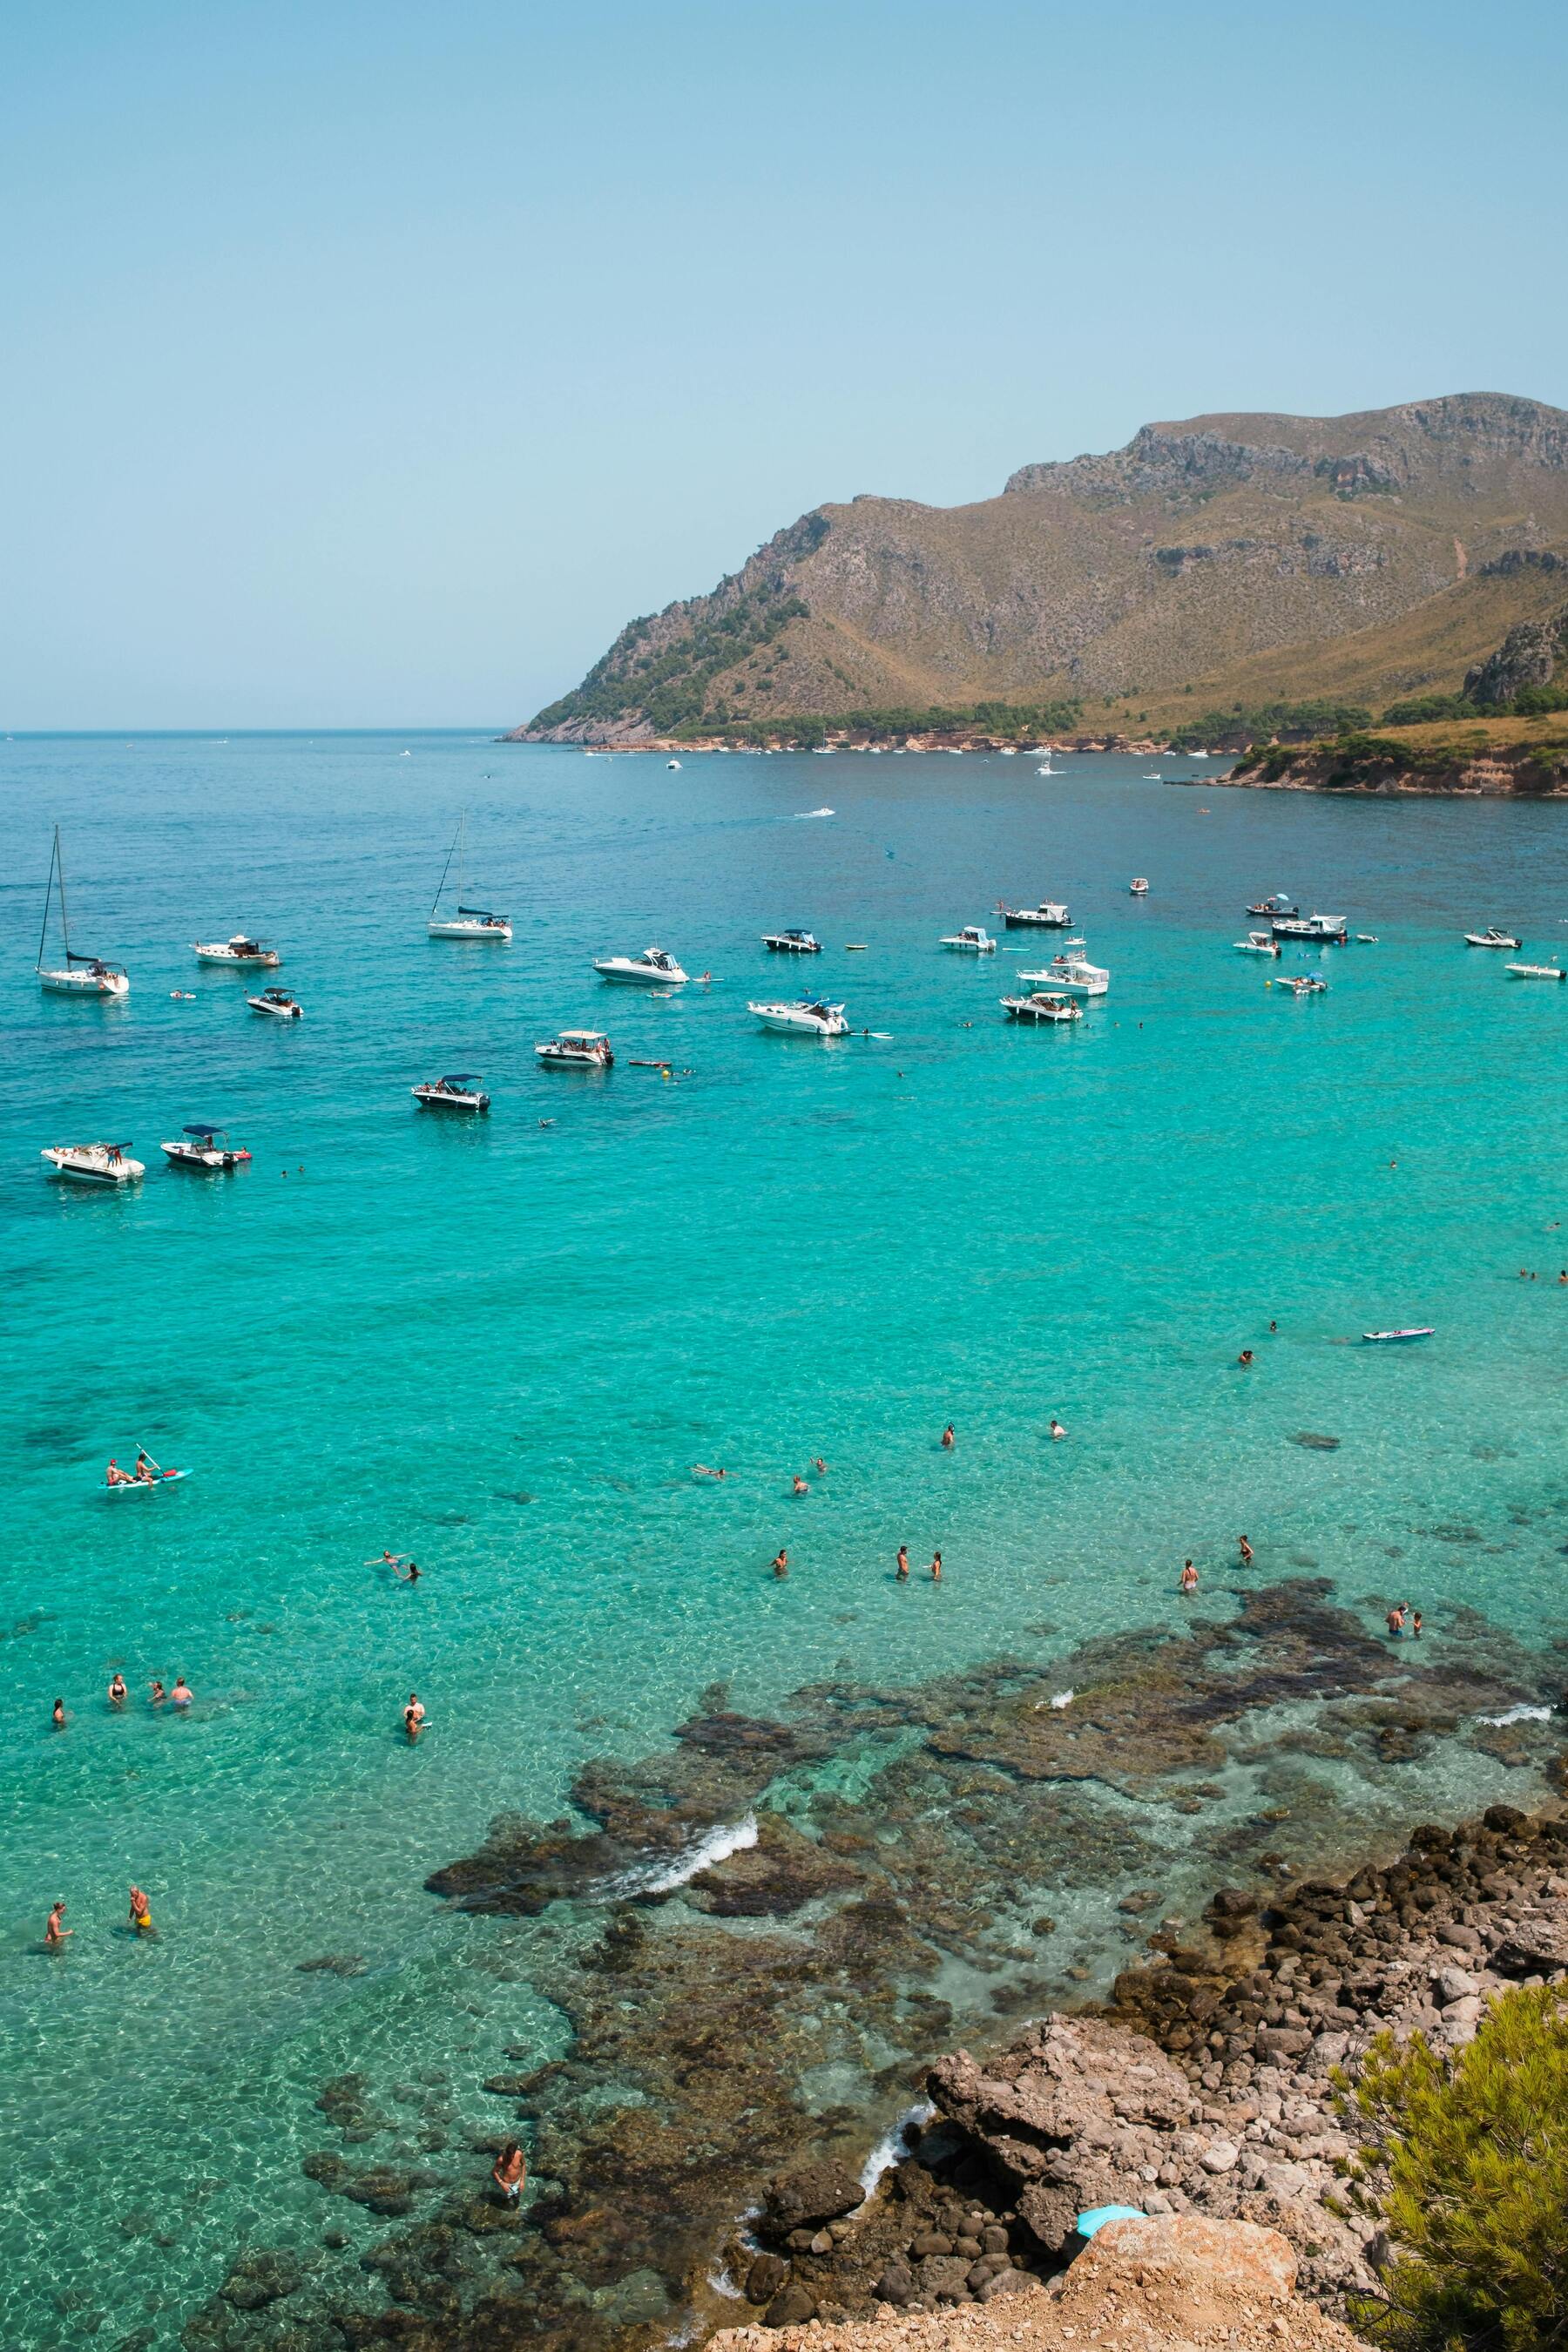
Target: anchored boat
1491	937
1260	943
653	968
94	1163
79	975
241	949
1041	1007
1329	928
468	922
1048	916
791	943
972	940
810	1018
277	1004
203	1147
460	1091
577	1049
1071	972
1536	971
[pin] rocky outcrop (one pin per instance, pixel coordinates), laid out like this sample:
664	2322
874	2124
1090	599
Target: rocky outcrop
1529	656
1391	765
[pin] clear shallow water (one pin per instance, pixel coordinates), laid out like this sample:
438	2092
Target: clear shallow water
793	1250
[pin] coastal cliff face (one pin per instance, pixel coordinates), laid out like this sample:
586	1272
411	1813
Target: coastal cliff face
1200	548
1517	762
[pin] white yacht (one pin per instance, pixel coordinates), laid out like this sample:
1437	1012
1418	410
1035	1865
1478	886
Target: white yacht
465	922
1042	1007
809	1018
577	1049
1310	927
203	1147
792	943
277	1004
1536	971
79	975
1492	938
241	949
1072	972
1050	915
972	940
653	968
1260	943
460	1091
94	1163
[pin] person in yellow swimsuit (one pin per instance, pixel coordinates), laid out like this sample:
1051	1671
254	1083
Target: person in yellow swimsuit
140	1913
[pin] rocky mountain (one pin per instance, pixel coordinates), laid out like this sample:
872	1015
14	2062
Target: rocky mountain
1228	554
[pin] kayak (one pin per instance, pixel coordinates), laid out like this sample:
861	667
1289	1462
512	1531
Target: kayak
142	1485
1417	1331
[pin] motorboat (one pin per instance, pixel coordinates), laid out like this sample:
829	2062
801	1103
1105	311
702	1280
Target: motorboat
577	1049
972	940
460	1091
80	975
1041	1006
672	763
653	968
95	1163
277	1002
1492	938
1367	939
1279	904
241	949
1321	927
1048	916
203	1147
1536	971
1414	1331
1139	887
467	922
1072	972
792	943
1304	983
1260	943
808	1018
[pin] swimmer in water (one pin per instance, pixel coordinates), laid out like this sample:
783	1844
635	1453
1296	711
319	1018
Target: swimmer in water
182	1693
116	1693
780	1562
414	1715
1245	1357
55	1929
1246	1550
58	1714
1415	1626
947	1438
820	1466
936	1567
510	2171
1056	1429
800	1486
141	1914
1189	1578
701	1470
903	1572
409	1575
1396	1621
157	1695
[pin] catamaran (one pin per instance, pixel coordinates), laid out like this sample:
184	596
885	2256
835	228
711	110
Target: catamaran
79	975
468	922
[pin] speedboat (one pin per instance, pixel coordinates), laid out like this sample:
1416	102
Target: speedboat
1279	904
1330	927
1536	971
79	975
1041	1007
653	968
1415	1331
1138	888
468	922
808	1018
973	939
1304	983
1260	943
460	1091
1048	916
241	949
1071	971
203	1147
577	1049
277	1002
1492	938
792	943
94	1163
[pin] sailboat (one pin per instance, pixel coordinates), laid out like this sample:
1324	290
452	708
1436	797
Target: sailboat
79	975
468	922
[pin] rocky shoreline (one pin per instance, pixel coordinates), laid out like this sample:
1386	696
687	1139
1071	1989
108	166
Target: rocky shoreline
609	738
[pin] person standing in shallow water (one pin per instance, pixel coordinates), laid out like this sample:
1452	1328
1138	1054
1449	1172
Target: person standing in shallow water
1189	1578
55	1929
414	1715
936	1567
1246	1551
510	2171
948	1440
903	1570
781	1562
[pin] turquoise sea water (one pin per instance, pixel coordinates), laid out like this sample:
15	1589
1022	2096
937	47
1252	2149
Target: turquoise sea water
501	1345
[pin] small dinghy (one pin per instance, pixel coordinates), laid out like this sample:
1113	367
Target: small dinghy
579	1049
277	1004
1305	983
1415	1331
460	1091
203	1147
1492	938
1139	887
1536	971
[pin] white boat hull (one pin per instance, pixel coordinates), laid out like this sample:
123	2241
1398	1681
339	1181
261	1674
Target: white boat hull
1537	971
458	929
263	959
84	983
641	975
105	1174
290	1012
791	1020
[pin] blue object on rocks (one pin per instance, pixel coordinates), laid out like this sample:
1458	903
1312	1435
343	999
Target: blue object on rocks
1099	2215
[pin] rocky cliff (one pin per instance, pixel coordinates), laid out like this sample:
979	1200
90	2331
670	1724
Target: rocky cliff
1199	550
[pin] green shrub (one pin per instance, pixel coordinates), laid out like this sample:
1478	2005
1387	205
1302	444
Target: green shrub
1428	709
1470	2155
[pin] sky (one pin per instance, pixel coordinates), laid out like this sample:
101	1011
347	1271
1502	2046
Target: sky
371	361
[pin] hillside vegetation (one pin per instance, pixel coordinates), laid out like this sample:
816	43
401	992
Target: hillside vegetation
1226	563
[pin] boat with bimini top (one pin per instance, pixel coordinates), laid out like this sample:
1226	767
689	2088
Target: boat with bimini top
576	1049
972	940
1492	938
1071	972
80	975
202	1145
460	1091
277	1004
1260	943
791	943
1041	1007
